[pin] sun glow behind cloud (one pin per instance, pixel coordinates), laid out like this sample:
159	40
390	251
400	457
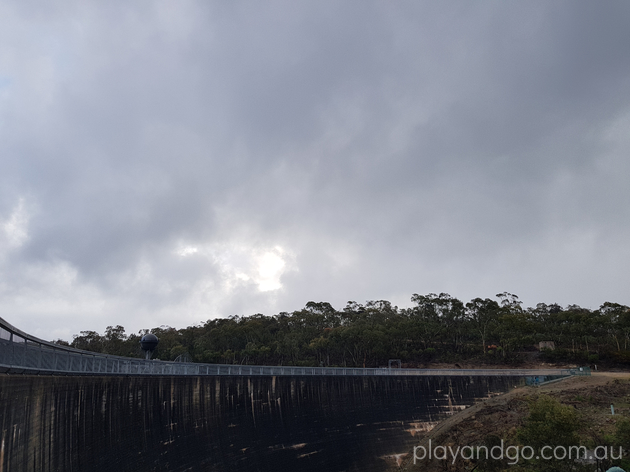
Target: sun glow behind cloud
243	264
270	268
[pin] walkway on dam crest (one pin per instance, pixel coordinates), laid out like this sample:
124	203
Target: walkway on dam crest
21	353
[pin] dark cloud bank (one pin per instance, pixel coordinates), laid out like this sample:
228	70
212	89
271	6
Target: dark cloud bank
168	163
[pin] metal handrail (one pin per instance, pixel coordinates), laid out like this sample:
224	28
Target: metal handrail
22	353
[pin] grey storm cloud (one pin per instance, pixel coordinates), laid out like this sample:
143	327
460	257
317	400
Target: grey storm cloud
166	163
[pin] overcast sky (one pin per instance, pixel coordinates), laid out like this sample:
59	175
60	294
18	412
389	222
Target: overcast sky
168	162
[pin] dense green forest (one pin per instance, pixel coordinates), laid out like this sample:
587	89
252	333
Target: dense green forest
438	328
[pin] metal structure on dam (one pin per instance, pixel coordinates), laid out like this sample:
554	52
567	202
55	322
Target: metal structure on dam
62	409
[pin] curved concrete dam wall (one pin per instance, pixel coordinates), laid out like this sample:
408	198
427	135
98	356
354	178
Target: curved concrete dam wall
240	423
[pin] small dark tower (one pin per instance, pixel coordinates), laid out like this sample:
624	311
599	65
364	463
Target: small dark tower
148	343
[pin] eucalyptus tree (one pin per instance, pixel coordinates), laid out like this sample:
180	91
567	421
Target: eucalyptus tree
439	318
617	322
483	315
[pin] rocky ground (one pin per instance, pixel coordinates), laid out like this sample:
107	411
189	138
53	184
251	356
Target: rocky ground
501	416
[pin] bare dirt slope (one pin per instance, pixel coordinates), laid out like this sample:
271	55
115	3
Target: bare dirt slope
503	414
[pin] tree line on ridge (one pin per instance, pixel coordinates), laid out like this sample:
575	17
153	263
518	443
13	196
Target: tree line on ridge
438	328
